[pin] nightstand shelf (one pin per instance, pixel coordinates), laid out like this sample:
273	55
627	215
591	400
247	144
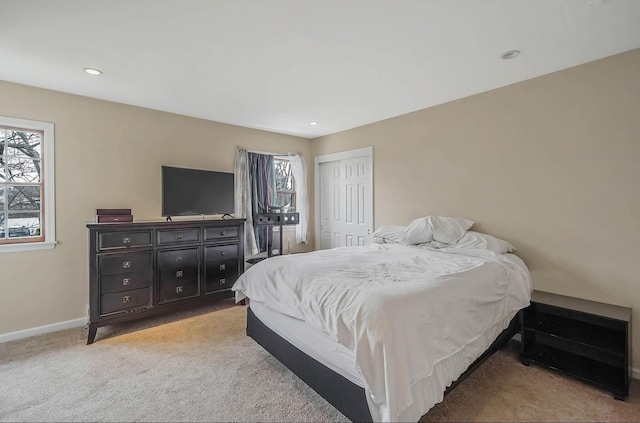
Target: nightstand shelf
585	339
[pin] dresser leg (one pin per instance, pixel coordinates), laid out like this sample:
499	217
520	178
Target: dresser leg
618	397
93	328
525	361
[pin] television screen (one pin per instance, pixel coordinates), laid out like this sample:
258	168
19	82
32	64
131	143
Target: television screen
188	192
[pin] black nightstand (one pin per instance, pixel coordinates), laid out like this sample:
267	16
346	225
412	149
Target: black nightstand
585	339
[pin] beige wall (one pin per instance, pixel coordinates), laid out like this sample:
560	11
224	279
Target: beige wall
551	164
107	155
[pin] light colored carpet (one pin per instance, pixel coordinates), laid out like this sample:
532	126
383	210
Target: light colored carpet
200	366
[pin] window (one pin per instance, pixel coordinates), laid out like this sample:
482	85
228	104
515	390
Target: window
26	185
285	189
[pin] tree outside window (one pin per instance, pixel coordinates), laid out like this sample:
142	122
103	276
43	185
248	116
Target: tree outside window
21	185
285	187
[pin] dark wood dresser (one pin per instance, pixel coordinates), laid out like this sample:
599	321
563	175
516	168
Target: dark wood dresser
585	339
142	268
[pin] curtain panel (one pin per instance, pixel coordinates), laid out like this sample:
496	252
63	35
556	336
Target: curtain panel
243	199
299	170
262	179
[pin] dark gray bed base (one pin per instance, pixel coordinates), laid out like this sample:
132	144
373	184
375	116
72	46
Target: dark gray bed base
343	394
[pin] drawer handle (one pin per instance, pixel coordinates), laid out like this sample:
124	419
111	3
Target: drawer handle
222	253
126	281
179	236
126	264
222	267
178	290
179	258
126	299
223	281
222	233
126	240
179	274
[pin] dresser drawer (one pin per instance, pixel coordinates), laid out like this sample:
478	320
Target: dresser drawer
221	253
218	279
114	240
172	258
121	301
125	282
172	290
222	268
177	236
221	233
178	273
116	264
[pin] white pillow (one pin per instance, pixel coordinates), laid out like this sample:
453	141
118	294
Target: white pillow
438	228
480	241
418	232
448	229
388	234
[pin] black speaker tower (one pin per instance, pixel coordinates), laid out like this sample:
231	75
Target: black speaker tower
275	221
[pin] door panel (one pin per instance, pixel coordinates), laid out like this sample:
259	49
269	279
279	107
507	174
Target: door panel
346	215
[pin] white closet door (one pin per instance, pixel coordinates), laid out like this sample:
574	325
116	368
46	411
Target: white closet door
345	209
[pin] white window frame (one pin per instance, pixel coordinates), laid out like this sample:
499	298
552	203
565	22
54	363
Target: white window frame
287	228
49	212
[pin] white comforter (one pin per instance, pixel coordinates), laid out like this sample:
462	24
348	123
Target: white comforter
401	309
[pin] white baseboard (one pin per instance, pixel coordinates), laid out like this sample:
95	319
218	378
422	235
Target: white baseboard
41	330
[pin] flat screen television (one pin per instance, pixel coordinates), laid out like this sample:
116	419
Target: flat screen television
189	192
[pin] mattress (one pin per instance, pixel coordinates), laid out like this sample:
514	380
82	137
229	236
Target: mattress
311	341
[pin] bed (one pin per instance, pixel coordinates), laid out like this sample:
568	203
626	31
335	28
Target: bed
383	331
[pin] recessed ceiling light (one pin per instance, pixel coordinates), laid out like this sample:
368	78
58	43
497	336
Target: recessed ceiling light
92	71
313	123
510	54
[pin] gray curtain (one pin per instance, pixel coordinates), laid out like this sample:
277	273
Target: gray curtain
263	191
243	200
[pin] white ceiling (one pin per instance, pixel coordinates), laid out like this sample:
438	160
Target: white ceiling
279	64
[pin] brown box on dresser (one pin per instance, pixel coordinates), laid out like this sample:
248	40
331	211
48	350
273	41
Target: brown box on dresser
113	215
